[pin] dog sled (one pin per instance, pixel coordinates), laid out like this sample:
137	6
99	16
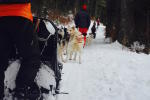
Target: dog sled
49	74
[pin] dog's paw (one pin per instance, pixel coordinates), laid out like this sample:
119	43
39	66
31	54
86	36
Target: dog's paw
74	59
64	61
80	61
70	59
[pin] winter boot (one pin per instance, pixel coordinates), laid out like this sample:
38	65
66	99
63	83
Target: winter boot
27	93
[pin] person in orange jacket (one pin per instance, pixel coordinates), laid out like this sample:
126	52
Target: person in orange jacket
16	28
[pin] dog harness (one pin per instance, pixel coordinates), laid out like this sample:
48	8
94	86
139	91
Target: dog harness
79	39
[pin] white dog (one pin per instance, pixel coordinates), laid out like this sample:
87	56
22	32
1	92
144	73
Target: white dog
75	45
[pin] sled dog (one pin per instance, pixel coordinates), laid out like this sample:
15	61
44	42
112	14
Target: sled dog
63	40
90	39
75	45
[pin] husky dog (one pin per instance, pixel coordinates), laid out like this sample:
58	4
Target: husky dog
75	45
63	40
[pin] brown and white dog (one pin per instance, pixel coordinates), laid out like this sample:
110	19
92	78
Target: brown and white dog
75	45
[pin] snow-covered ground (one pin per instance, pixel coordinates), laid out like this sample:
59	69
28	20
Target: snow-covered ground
107	72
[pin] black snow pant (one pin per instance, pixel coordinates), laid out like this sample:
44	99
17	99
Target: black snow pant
19	31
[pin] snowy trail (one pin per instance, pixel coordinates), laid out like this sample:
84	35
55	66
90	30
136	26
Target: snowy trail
107	73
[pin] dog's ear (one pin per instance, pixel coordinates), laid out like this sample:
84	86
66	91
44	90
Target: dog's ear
73	27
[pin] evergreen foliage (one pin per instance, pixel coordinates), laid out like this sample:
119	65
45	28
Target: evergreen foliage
96	8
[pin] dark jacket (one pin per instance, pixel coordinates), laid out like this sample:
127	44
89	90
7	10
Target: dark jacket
93	29
82	19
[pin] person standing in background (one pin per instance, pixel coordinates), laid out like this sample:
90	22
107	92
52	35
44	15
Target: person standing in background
98	22
93	29
82	21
